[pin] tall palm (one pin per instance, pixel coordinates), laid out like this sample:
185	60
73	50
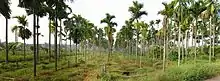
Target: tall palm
158	23
167	13
30	6
128	31
100	37
24	33
211	11
152	37
58	5
137	13
196	9
109	30
62	14
6	12
51	27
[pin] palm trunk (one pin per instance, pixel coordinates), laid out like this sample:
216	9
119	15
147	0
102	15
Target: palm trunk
60	41
55	50
165	38
76	54
168	43
70	44
195	41
202	46
34	40
210	50
186	44
152	49
24	50
38	59
85	47
6	38
137	44
141	53
183	54
129	49
213	47
66	46
137	48
49	41
179	33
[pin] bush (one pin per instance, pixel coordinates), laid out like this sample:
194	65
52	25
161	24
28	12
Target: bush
190	72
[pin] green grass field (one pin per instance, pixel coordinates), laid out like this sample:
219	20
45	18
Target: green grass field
96	68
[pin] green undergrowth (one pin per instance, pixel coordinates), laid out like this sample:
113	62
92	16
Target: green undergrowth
189	72
95	67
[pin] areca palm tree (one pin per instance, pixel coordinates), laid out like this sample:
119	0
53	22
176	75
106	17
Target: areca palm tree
167	13
196	9
100	37
211	11
152	38
6	12
109	30
24	33
32	7
137	13
51	27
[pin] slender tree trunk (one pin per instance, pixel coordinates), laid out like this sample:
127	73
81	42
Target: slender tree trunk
109	52
165	38
66	47
183	53
202	46
76	54
179	33
137	48
195	41
70	45
56	50
152	49
24	51
60	41
6	38
129	49
85	47
210	44
141	53
34	40
38	59
186	44
213	47
168	43
49	41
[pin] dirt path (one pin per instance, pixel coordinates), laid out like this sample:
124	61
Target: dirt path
91	75
214	79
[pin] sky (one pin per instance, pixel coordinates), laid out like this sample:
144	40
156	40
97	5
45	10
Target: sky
93	10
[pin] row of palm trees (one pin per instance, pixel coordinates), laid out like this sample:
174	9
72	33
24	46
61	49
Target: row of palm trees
183	20
76	28
57	9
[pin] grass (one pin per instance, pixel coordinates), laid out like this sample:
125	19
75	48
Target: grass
119	68
190	72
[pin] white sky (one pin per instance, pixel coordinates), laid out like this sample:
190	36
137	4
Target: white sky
93	10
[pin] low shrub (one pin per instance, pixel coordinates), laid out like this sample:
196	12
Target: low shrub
189	72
